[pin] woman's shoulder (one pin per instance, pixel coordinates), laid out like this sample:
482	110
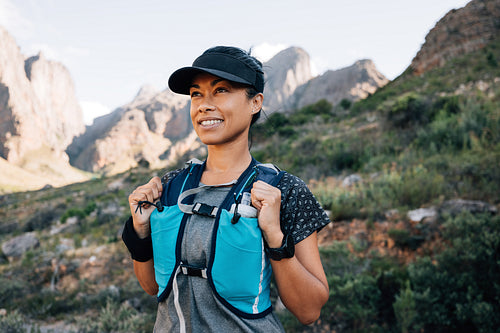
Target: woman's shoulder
170	174
289	182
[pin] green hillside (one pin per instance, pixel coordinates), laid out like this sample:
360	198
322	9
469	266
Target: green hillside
419	142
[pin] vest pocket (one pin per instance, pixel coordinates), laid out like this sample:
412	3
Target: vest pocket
241	272
164	230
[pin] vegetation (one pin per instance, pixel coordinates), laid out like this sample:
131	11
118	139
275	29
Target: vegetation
417	142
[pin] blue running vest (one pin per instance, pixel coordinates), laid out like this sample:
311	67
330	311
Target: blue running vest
238	270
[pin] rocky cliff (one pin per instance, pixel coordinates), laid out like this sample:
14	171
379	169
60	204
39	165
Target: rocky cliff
39	116
155	127
290	83
284	72
459	32
354	82
38	106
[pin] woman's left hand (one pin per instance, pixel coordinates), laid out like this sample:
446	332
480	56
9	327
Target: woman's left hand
267	199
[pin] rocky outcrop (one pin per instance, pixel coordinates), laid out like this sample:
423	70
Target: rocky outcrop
459	32
290	83
17	246
284	73
353	83
154	127
38	106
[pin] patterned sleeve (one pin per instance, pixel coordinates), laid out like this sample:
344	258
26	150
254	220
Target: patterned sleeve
301	213
169	174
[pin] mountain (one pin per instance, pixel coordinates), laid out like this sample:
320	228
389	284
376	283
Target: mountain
291	85
155	127
39	113
284	72
353	83
459	32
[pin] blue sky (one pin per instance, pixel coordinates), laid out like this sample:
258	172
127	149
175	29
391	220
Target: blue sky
112	47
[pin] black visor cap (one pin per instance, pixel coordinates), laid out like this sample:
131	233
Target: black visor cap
219	64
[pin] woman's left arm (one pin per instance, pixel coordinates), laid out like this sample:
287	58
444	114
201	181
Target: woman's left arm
301	280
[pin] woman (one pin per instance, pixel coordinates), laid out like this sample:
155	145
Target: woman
206	238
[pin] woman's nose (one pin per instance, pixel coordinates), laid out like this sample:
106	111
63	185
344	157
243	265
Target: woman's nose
206	105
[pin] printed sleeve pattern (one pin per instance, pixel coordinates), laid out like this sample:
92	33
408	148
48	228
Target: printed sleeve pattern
301	213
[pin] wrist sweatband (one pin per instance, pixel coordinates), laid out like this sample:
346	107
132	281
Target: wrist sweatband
140	249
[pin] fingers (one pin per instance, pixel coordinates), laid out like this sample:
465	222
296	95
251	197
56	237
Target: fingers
265	194
148	192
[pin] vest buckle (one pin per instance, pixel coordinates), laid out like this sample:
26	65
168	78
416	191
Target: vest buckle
205	210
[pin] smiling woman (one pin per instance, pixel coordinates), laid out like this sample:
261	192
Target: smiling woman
206	239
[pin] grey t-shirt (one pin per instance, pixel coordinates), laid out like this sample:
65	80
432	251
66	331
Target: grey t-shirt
200	310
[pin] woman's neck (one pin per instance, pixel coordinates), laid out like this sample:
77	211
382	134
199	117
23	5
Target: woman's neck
225	164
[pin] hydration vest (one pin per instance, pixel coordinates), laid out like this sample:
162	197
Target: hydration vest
238	270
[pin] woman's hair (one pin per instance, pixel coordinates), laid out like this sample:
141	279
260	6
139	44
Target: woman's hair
250	61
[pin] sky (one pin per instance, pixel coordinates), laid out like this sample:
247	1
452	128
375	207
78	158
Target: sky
113	47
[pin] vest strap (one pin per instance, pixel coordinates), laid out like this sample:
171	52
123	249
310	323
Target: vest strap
199	208
205	210
193	270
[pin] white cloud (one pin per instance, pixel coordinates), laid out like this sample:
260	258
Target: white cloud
12	19
266	51
92	110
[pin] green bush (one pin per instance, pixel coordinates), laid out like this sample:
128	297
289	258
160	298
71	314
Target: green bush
117	318
460	291
405	309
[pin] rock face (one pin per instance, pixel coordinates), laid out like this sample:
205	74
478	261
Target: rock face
290	84
38	106
459	32
284	73
155	127
353	83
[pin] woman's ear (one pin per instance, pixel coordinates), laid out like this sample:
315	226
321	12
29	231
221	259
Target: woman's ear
257	101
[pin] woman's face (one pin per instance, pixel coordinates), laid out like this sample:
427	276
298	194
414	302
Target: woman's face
221	112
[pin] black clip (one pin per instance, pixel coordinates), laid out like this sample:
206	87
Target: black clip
236	216
158	205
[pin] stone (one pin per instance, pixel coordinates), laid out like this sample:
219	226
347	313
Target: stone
456	206
17	246
351	180
417	215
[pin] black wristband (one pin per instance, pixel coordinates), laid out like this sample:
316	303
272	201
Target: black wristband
140	249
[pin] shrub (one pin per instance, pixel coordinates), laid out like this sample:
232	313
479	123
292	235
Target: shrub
404	309
117	318
460	291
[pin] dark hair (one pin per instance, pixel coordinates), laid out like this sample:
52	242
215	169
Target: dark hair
249	60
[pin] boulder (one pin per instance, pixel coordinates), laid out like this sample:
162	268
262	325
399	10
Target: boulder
421	214
456	206
17	246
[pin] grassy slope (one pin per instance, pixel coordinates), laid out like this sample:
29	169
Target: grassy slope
416	142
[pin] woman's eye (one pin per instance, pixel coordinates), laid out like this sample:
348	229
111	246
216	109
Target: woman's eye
195	94
221	89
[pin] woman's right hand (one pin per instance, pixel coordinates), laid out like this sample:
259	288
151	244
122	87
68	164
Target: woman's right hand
148	192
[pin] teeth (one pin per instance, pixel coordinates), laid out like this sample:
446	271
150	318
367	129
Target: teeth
210	122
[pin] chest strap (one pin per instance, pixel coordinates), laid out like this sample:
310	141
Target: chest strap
197	207
193	270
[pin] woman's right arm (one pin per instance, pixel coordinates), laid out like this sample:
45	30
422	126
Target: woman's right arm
144	271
